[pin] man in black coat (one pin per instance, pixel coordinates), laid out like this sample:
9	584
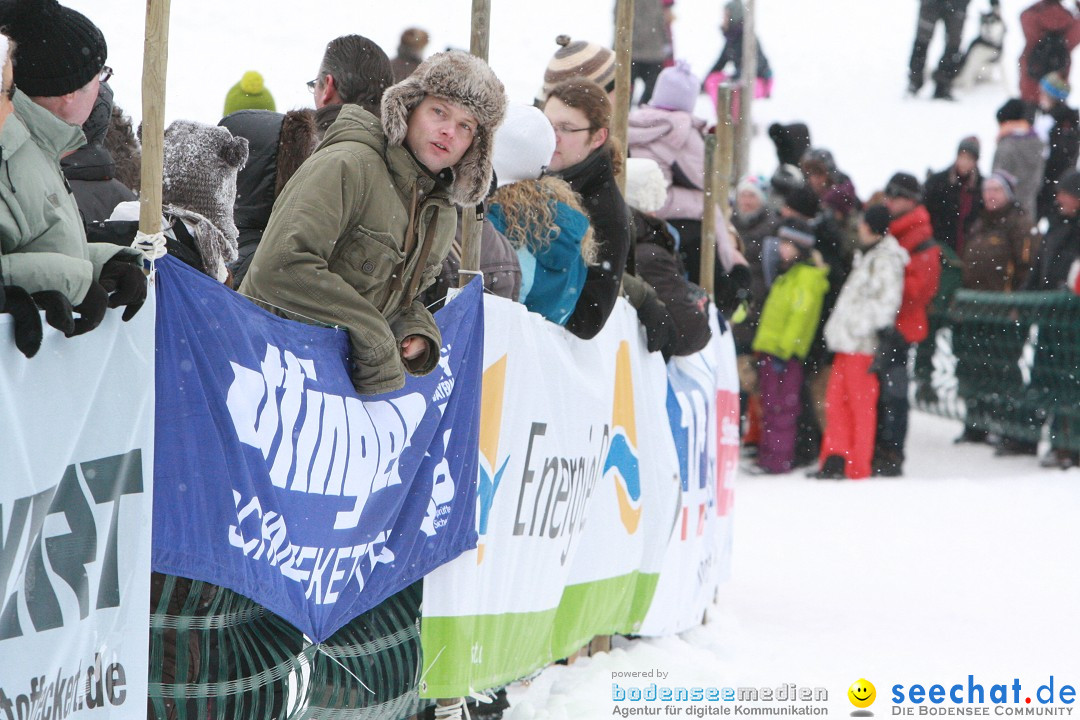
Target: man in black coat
954	197
1061	244
951	13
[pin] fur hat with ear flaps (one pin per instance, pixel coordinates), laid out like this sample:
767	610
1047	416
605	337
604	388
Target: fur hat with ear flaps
467	81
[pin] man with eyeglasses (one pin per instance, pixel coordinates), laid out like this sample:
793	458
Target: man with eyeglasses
354	70
59	63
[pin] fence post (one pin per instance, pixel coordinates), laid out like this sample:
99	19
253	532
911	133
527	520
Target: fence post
155	64
725	145
624	88
748	81
707	263
471	224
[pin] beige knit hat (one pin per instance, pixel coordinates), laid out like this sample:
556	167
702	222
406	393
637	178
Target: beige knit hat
578	59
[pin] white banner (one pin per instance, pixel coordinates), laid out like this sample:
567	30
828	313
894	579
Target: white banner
580	499
703	407
76	468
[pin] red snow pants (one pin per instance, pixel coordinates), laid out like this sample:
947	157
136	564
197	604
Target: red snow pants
851	413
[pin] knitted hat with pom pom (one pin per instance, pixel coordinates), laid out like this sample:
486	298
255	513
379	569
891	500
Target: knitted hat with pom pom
249	94
201	162
58	50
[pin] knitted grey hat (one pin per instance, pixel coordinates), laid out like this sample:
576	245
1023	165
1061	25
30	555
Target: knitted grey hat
201	162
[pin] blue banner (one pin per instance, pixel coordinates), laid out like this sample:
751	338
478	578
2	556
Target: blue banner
275	479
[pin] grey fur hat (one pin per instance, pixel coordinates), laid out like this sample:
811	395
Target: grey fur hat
468	81
201	162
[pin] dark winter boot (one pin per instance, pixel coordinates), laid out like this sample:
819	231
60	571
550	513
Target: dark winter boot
888	463
1011	446
831	469
943	92
971	435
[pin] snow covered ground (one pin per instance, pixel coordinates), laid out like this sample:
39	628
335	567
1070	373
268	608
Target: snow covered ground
967	565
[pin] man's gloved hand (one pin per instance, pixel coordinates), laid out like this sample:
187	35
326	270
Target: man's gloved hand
17	302
58	310
734	289
126	282
660	331
92	309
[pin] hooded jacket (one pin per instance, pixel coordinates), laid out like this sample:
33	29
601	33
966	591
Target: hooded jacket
789	320
594	179
363	227
869	300
922	274
42	240
91	171
674	140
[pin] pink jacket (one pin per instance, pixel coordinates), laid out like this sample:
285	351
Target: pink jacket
673	139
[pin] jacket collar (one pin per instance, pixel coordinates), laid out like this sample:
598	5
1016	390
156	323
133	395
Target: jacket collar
596	167
54	136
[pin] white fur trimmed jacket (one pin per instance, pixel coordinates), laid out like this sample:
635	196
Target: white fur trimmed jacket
869	299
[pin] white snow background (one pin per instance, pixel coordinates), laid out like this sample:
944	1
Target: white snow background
968	565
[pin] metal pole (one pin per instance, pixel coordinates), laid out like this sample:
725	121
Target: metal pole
748	81
624	36
471	224
707	263
155	63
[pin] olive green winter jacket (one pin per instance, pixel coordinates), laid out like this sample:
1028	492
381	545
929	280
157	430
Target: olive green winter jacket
42	240
355	236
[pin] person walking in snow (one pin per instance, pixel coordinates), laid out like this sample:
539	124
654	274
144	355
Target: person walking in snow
951	14
867	305
1051	32
365	223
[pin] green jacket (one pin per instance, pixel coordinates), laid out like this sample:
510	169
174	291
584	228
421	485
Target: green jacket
792	310
340	248
42	240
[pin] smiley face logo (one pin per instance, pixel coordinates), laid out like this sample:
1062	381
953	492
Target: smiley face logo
862	693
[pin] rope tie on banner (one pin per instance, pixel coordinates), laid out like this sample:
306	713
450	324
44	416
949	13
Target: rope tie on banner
152	247
456	709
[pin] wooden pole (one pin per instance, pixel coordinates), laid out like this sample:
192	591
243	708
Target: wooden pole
725	145
155	64
707	262
624	36
472	225
747	80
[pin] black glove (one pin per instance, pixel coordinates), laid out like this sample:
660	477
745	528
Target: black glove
892	351
92	309
659	327
58	310
17	302
127	283
733	289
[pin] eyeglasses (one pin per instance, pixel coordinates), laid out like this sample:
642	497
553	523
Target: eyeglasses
565	129
105	74
311	85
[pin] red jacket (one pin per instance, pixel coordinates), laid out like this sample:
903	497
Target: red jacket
1038	19
922	274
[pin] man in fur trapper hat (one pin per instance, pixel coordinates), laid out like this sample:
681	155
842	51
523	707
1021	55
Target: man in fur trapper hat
367	220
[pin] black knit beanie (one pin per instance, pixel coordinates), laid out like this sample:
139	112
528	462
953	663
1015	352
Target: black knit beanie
58	49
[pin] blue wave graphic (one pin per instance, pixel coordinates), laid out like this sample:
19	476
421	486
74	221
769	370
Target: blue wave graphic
486	491
624	458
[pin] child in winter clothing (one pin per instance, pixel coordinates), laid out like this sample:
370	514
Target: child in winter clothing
788	324
868	304
540	216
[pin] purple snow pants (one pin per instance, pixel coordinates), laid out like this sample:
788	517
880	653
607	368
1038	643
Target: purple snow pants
780	382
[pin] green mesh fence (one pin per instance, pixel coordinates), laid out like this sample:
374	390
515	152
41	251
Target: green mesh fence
1007	363
216	654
